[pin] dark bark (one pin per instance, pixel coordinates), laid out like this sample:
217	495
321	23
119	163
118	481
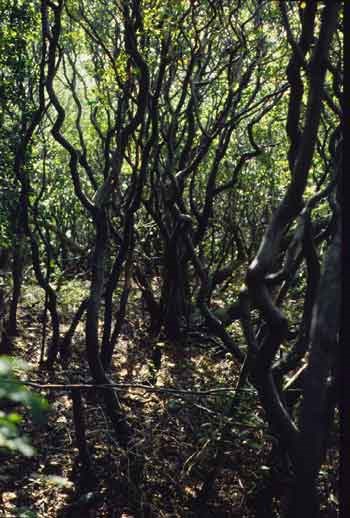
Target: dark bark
22	220
214	324
65	347
262	350
80	430
315	408
46	304
51	302
123	302
152	305
107	347
111	399
173	299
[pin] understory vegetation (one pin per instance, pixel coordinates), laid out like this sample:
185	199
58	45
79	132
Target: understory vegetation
170	241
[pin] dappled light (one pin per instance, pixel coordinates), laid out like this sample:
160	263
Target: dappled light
170	243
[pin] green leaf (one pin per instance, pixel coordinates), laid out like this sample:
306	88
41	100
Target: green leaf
14	418
13	390
25	512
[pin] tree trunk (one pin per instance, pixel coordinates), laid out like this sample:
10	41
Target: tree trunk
315	413
173	298
111	400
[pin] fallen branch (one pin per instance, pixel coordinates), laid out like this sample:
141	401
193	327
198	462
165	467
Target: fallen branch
129	386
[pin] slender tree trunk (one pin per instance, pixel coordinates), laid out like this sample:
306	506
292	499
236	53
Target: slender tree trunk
80	430
122	305
107	342
51	301
65	347
111	399
173	293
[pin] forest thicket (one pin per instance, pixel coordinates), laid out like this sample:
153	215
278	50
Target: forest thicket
170	230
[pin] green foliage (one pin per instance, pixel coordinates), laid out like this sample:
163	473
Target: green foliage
24	512
11	390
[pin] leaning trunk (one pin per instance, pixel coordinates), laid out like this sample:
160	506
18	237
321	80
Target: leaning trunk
316	409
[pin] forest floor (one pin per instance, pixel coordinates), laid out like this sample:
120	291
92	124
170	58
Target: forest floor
174	443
